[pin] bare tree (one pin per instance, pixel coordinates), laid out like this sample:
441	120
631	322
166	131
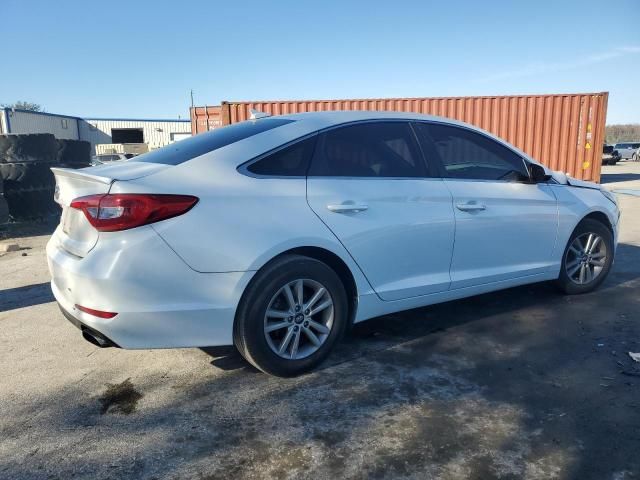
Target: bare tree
622	133
22	105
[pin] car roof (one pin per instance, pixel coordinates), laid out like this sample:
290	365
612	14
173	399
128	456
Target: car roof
337	117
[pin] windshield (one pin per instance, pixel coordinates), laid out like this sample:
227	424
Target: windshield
187	149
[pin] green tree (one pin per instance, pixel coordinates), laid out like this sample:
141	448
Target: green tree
22	105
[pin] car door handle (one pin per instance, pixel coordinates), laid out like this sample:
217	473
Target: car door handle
470	207
347	208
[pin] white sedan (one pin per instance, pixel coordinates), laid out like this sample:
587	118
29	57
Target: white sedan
277	234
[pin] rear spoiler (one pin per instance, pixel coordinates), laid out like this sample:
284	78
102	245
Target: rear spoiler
70	172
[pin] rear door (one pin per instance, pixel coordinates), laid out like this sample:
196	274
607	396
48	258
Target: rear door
369	184
506	226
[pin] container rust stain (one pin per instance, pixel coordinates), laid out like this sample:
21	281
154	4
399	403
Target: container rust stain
563	131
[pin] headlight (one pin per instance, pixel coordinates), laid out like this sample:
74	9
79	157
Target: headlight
612	198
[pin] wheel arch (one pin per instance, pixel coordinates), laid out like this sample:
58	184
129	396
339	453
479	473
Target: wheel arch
333	261
339	266
598	216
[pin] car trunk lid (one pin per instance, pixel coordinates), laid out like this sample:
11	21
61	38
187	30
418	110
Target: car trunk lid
75	234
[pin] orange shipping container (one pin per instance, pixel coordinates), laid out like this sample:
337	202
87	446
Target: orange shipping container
204	119
564	131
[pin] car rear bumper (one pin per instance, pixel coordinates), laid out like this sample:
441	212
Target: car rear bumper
160	302
90	334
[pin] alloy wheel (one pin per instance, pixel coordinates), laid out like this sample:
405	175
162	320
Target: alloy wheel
586	258
298	319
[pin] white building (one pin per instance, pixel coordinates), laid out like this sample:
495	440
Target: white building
155	133
23	121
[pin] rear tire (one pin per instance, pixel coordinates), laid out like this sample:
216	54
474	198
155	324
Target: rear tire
278	333
587	258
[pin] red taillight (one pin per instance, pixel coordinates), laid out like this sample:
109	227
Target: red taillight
96	313
121	211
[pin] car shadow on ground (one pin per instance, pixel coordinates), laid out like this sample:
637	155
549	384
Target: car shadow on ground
519	383
385	331
26	296
618	177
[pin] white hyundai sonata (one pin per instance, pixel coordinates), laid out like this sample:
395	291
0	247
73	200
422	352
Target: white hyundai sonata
277	234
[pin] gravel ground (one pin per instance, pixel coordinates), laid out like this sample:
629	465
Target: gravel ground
524	383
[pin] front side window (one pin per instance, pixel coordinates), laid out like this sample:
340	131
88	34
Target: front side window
466	154
291	161
380	149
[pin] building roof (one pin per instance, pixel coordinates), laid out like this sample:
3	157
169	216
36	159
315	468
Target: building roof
88	119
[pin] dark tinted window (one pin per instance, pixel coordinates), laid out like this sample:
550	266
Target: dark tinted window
291	161
470	155
189	148
384	149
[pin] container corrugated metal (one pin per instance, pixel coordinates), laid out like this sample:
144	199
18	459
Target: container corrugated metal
204	119
562	131
23	121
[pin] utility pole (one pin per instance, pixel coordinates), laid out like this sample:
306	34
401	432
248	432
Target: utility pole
192	98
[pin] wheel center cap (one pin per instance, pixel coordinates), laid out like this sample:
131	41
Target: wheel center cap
299	318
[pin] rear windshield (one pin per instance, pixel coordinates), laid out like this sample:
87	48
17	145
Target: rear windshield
193	147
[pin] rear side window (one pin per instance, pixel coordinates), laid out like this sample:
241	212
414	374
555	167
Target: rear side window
466	154
291	161
380	149
189	148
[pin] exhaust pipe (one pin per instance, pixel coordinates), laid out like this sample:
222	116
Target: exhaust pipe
89	334
96	338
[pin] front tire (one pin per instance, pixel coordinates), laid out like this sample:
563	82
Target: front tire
291	316
587	258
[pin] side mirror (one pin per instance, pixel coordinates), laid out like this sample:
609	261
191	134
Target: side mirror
538	173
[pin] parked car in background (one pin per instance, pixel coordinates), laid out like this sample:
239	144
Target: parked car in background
610	156
629	150
277	234
111	157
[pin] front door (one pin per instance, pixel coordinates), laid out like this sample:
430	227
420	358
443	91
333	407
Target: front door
506	226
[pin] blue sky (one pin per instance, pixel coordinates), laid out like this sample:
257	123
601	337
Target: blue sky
140	58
